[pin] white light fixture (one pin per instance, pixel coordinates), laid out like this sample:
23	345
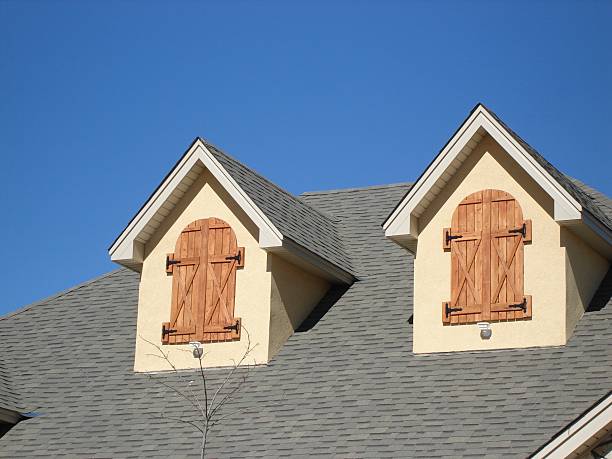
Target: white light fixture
197	349
485	330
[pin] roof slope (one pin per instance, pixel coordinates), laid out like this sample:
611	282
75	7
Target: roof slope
295	219
347	385
574	189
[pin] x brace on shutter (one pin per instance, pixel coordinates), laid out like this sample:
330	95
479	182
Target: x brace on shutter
487	279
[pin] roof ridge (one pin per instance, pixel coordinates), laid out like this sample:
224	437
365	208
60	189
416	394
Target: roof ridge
362	188
55	296
253	171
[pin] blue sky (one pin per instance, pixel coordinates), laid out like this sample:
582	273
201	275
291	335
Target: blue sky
99	99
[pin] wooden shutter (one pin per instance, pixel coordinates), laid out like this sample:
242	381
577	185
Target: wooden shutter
203	267
486	244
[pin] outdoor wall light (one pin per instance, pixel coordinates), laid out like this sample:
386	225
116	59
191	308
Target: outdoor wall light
197	349
485	330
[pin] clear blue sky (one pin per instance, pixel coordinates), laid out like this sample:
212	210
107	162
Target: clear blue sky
99	99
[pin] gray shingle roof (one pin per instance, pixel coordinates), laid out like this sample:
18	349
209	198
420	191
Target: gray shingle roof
295	219
347	385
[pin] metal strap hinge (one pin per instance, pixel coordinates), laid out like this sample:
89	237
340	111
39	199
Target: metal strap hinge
448	310
522	230
522	305
450	238
167	331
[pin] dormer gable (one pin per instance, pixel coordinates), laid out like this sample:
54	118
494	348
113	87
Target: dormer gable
508	251
571	206
285	224
225	257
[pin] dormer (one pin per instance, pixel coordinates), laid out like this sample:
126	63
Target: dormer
223	252
508	251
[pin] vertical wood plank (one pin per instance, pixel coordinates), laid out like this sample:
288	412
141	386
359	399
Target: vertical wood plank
218	270
231	283
510	315
210	320
518	265
494	257
225	271
463	251
202	278
184	278
478	261
485	247
503	293
192	304
471	247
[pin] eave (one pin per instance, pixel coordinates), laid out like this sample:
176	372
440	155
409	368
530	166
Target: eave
128	249
402	224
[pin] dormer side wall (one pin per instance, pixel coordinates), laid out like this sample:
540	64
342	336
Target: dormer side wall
585	269
295	293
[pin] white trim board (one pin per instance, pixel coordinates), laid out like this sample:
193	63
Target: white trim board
128	248
579	432
401	225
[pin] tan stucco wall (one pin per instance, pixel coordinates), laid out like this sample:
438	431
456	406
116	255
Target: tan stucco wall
585	269
294	295
205	198
489	166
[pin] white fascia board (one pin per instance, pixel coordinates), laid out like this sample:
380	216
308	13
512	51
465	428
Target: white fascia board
400	223
579	432
565	206
128	248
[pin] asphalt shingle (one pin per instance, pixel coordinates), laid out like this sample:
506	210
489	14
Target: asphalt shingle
346	385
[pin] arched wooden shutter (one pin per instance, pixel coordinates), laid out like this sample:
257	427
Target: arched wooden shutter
486	244
203	267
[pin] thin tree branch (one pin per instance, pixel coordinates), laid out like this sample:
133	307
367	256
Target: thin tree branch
249	349
166	358
185	421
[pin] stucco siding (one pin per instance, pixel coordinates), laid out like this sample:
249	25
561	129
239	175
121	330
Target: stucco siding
489	166
205	198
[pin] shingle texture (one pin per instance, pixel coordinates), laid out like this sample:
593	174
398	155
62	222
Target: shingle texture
347	385
294	218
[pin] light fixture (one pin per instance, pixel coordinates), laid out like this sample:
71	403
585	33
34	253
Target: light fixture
485	330
197	349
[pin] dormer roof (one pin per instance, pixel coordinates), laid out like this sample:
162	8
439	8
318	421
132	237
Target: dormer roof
287	225
572	206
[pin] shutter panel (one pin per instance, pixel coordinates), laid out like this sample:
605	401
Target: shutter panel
203	267
224	257
508	234
465	242
185	266
486	244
